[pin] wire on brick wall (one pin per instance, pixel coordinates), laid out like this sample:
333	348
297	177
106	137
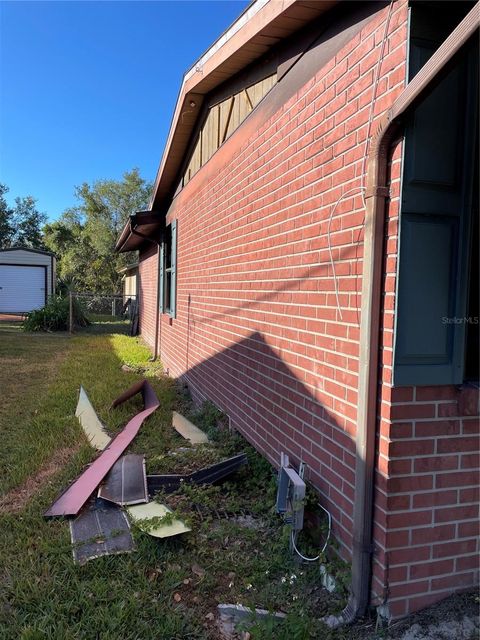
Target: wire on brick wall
293	538
362	187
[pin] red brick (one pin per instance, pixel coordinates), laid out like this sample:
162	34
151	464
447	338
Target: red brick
433	534
429	569
409	519
257	329
435	498
412	411
452	445
453	514
404	448
407	556
455	581
456	479
437	428
419	483
468	529
435	463
468	562
451	549
436	393
408	588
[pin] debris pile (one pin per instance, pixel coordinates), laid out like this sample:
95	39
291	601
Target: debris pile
99	524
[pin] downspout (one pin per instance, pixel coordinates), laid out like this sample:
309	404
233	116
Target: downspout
157	312
376	194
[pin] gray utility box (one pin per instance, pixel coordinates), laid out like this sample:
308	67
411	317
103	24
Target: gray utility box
290	494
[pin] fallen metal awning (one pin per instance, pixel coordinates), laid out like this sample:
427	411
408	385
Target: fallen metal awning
148	518
94	429
188	430
126	483
209	475
73	499
101	529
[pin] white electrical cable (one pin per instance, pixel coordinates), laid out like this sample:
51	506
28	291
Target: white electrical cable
293	538
332	262
362	187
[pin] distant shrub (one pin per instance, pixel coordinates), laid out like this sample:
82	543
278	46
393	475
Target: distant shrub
54	316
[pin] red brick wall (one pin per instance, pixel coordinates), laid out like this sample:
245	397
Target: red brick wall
258	331
147	293
257	328
426	510
433	494
426	500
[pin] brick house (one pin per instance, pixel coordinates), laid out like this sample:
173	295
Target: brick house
309	263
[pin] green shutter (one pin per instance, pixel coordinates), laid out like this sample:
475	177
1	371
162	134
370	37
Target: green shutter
173	285
161	277
434	230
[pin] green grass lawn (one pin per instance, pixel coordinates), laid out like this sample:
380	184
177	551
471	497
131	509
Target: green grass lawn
166	589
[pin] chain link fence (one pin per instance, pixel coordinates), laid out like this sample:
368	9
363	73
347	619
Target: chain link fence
103	313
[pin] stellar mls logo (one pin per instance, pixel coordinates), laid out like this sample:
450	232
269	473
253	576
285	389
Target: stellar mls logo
461	320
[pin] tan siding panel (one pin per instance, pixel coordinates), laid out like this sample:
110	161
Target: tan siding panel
223	119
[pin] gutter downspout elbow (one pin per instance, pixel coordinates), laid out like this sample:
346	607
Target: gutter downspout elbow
376	195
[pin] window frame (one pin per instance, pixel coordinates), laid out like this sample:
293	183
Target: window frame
164	281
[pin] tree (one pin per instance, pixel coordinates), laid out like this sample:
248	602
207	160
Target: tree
84	237
27	223
6	225
20	225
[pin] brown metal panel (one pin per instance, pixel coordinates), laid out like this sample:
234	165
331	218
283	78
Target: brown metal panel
101	529
126	483
73	499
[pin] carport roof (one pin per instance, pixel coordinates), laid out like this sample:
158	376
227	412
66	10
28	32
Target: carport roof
19	248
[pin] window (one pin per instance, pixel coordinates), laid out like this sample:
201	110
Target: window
168	270
437	303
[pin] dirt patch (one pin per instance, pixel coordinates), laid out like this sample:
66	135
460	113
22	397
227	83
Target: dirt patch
16	499
455	618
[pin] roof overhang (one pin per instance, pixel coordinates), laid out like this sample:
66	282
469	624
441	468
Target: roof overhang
129	267
141	227
261	26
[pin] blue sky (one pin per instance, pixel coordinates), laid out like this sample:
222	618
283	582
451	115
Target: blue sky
87	89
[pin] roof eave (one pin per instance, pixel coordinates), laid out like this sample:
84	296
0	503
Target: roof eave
262	25
140	227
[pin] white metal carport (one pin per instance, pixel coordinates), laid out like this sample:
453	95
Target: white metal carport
27	279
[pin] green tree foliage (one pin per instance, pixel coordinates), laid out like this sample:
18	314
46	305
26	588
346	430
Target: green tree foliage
20	225
84	237
28	223
6	223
